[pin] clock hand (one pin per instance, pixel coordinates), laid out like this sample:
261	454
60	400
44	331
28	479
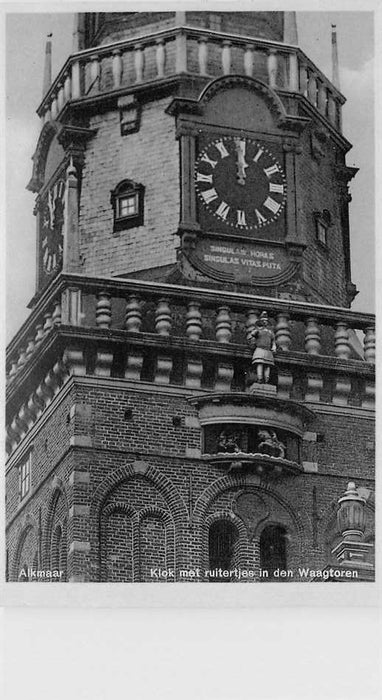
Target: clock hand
241	164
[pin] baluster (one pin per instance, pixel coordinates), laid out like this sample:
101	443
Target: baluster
193	321
331	109
163	317
160	57
94	72
103	363
194	371
13	370
283	334
293	72
67	88
303	79
74	361
312	336
39	337
312	88
223	325
35	406
133	316
369	344
134	362
30	347
60	97
314	387
284	384
341	340
226	57
26	416
224	377
272	68
341	391
103	310
248	60
20	423
251	323
76	83
139	62
117	67
321	98
48	323
52	384
56	316
54	107
22	358
163	370
203	55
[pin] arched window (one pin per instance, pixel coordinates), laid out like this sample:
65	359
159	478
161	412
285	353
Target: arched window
223	536
273	550
127	202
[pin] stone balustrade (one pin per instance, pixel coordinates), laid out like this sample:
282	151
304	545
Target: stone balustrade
190	314
197	52
173	335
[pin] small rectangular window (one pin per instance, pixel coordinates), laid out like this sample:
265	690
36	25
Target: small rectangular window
322	233
25	477
127	206
323	221
127	202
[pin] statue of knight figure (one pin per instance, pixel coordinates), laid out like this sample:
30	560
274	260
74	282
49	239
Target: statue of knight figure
262	338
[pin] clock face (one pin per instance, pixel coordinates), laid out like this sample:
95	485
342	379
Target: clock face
240	183
52	222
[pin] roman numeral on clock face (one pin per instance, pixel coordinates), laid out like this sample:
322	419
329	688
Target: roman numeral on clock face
201	177
271	170
222	149
272	205
258	155
260	218
274	187
206	159
209	195
241	221
222	210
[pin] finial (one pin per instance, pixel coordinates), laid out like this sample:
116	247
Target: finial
71	170
290	28
335	68
47	66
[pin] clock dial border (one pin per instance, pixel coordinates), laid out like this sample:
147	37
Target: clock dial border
203	182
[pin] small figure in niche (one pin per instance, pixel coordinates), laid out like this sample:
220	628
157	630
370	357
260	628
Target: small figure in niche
228	442
263	339
270	444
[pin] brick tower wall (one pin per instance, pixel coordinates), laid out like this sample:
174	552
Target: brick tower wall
149	157
122	487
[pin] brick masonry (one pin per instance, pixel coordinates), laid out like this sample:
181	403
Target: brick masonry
149	157
119	487
134	500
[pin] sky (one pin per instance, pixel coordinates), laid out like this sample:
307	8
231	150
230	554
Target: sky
24	76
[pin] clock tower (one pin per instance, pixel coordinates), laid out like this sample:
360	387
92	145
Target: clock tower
191	391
